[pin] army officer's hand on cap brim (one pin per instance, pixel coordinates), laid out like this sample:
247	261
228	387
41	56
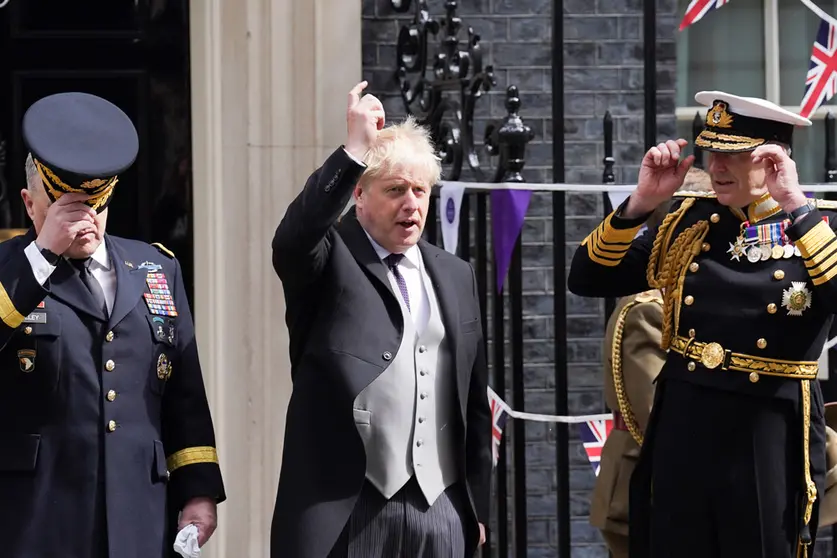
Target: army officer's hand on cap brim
66	219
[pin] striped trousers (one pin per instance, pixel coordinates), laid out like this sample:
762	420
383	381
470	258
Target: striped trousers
404	526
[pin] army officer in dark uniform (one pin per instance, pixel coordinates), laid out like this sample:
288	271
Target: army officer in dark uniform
105	429
734	451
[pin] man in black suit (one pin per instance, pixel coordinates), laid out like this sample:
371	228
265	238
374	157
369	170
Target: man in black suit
105	431
388	442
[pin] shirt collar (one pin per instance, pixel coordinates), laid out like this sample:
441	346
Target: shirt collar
411	255
100	256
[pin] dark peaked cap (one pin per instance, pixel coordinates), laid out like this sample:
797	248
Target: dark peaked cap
80	143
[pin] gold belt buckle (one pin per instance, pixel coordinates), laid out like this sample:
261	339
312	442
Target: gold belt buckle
712	355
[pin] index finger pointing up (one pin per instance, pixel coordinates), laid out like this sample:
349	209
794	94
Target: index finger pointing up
354	94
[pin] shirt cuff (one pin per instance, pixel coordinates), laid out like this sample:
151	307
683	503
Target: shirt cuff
41	268
353	158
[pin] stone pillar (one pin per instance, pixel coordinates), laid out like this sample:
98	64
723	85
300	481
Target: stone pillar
269	85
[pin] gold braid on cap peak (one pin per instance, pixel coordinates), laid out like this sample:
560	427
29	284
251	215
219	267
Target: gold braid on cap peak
99	189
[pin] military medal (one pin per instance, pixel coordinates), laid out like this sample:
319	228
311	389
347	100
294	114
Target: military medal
754	254
788	251
796	298
737	250
159	299
777	252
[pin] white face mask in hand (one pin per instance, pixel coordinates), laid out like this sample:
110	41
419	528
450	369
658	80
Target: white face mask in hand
186	543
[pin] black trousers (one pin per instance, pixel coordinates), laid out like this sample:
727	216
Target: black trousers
722	475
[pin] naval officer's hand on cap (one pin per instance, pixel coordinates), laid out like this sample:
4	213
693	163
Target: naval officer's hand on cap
781	177
661	174
364	118
67	218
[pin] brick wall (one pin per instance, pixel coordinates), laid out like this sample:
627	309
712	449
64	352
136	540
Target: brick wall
603	71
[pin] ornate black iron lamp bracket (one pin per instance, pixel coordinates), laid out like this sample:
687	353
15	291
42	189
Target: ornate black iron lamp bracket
423	83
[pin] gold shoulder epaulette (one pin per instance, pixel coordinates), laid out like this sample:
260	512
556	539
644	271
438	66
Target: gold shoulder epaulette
688	194
163	249
826	204
649	296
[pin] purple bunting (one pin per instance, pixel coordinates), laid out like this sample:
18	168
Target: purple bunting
508	209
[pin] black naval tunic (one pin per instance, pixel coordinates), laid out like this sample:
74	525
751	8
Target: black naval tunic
105	430
734	455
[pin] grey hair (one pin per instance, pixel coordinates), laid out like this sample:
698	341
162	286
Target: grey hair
32	176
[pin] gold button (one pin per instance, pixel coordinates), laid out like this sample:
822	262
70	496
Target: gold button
109	337
112	425
111	395
693	267
689	300
28	330
778	274
715	218
754	377
692	333
691	366
762	343
705	247
110	365
771	308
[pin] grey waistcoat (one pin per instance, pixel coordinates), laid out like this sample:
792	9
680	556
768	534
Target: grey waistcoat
406	416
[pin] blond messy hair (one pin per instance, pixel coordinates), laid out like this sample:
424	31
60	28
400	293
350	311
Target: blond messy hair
403	148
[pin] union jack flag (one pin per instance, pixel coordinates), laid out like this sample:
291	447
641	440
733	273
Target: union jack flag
699	8
593	434
499	416
821	83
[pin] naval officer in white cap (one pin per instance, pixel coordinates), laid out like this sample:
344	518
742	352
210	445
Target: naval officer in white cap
734	453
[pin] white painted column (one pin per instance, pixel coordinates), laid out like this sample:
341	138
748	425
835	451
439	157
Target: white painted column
269	85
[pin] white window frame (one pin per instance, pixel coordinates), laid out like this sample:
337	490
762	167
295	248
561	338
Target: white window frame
771	70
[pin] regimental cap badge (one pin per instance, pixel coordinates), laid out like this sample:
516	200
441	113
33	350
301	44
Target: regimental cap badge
718	116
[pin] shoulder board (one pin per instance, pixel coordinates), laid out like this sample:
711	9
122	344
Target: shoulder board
649	296
688	194
163	249
826	204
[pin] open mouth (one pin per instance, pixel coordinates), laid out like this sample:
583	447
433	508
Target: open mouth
408	224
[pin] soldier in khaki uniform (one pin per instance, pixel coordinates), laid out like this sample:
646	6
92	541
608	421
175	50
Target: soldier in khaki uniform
632	359
828	507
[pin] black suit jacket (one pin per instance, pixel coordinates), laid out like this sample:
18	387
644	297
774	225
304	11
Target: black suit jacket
66	372
343	318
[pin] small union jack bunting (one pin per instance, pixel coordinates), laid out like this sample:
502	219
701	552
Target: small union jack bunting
594	434
699	8
499	416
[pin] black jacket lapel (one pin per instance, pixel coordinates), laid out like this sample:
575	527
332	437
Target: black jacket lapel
358	243
130	282
66	285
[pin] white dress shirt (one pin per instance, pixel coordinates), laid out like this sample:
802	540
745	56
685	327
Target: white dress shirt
101	269
411	268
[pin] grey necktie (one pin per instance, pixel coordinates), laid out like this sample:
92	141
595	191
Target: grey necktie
83	267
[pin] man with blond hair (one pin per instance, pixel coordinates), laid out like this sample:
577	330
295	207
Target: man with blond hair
388	440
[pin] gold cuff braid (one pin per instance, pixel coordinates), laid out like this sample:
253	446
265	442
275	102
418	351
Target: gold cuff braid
190	456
